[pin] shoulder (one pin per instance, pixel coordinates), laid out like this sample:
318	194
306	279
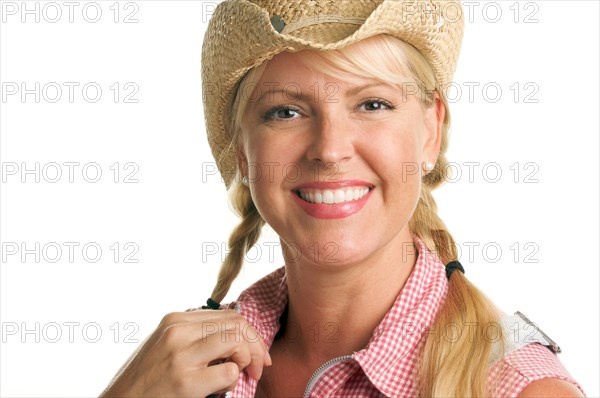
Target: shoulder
532	371
529	366
550	387
265	298
267	287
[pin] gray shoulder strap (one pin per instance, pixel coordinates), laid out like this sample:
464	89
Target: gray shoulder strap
520	331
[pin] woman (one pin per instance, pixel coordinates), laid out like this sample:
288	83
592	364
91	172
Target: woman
329	122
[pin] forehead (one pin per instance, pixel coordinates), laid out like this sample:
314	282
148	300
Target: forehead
288	68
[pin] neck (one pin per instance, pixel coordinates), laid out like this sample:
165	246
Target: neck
333	312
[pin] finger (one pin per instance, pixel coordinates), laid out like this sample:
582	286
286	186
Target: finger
179	331
231	337
247	353
218	378
220	347
195	316
182	335
256	365
259	353
243	329
251	336
178	318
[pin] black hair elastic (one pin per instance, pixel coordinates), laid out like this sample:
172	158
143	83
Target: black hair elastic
451	266
211	305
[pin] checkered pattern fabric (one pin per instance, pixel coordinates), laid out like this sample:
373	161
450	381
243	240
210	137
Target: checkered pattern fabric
386	366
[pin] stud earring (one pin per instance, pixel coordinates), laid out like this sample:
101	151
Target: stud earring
428	166
245	180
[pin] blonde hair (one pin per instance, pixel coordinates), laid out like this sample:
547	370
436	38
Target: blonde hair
456	365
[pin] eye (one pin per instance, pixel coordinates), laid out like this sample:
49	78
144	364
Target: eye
281	113
378	104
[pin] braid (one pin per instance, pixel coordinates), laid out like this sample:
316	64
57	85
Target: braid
243	237
426	224
466	308
247	232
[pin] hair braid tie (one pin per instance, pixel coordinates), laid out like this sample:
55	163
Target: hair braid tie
211	305
451	266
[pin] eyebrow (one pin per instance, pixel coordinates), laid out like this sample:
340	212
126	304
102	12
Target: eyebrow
356	90
288	93
293	93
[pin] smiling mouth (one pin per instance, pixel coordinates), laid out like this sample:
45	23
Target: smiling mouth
332	196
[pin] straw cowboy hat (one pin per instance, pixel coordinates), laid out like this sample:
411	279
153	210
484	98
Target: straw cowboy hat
244	33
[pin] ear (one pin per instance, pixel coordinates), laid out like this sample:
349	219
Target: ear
434	118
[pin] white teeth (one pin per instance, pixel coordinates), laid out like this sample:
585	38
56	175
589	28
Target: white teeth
340	196
329	196
349	195
318	197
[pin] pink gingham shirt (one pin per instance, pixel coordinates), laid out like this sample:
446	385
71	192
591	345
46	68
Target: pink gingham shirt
385	367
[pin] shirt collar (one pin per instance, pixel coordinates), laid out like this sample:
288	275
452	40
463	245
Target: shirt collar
395	340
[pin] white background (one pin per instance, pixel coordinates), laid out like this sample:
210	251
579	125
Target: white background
176	215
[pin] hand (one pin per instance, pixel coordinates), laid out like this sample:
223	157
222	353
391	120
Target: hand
192	354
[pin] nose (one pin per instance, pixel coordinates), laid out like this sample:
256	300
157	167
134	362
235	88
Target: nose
331	140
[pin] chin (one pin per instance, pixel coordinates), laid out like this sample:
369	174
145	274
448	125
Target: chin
333	255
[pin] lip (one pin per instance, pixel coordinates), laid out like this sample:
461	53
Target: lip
333	184
332	211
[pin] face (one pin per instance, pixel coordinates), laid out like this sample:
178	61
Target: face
335	166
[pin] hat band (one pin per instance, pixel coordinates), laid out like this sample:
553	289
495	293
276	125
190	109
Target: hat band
319	19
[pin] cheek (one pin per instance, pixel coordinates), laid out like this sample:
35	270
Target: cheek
396	157
397	163
268	163
274	161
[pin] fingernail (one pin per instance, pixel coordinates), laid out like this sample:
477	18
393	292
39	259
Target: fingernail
268	360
